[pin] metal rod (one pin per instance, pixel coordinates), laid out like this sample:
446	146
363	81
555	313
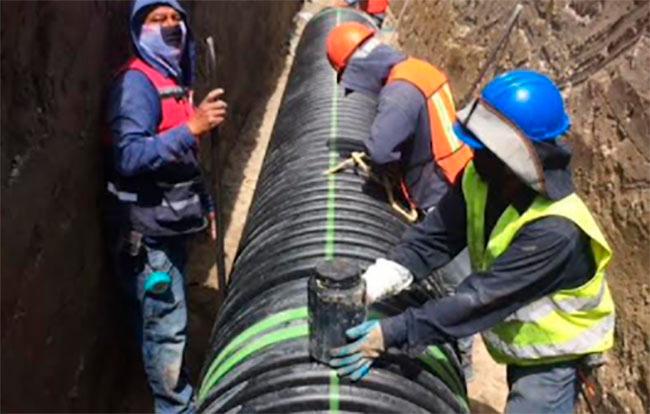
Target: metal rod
493	55
399	20
215	177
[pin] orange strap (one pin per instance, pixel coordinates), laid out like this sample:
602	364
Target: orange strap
450	154
407	194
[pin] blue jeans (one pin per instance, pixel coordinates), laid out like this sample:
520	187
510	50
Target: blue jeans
160	319
551	388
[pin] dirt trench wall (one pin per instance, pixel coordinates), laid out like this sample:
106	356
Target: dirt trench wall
61	349
600	52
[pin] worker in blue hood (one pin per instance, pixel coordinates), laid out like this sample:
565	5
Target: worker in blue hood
177	60
156	197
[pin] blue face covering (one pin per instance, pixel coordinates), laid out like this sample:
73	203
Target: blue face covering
164	45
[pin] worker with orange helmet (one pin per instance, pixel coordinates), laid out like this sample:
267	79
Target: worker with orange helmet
413	128
412	131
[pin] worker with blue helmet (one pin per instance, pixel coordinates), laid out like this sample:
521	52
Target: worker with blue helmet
537	292
515	109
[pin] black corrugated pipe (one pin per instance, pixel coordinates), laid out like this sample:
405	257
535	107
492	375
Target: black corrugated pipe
259	359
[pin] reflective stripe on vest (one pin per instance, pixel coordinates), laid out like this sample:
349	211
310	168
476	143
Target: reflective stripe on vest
450	154
595	339
176	92
559	326
121	195
175	205
181	204
543	307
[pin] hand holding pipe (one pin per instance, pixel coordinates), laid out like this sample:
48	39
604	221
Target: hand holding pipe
355	359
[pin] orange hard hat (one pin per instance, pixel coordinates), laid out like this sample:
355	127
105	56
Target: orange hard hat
344	40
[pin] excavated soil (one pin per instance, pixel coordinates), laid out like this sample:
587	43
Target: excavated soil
599	51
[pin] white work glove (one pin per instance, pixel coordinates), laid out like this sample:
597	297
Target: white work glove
385	278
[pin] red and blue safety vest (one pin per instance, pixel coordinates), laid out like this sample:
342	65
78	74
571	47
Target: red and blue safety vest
161	204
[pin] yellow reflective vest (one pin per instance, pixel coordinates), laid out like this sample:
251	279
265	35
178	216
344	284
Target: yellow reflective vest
560	326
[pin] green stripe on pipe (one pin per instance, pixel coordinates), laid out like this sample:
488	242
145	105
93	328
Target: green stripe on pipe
331	178
331	213
438	368
275	337
440	356
250	332
333	160
434	359
334	392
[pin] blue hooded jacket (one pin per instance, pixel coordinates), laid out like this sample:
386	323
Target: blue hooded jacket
139	12
400	132
140	156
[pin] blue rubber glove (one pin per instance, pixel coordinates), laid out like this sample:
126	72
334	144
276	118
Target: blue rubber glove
355	359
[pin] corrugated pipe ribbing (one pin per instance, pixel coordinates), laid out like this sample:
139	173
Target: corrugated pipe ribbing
258	359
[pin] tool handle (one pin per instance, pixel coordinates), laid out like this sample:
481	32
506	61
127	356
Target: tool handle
215	176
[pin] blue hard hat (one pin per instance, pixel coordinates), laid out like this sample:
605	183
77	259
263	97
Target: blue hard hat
529	100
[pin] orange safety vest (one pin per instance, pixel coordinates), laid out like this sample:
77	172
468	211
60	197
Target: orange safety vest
450	154
374	6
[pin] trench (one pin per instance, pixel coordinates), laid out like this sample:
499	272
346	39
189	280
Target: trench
64	346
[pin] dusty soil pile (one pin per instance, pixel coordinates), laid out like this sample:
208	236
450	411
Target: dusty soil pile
599	51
